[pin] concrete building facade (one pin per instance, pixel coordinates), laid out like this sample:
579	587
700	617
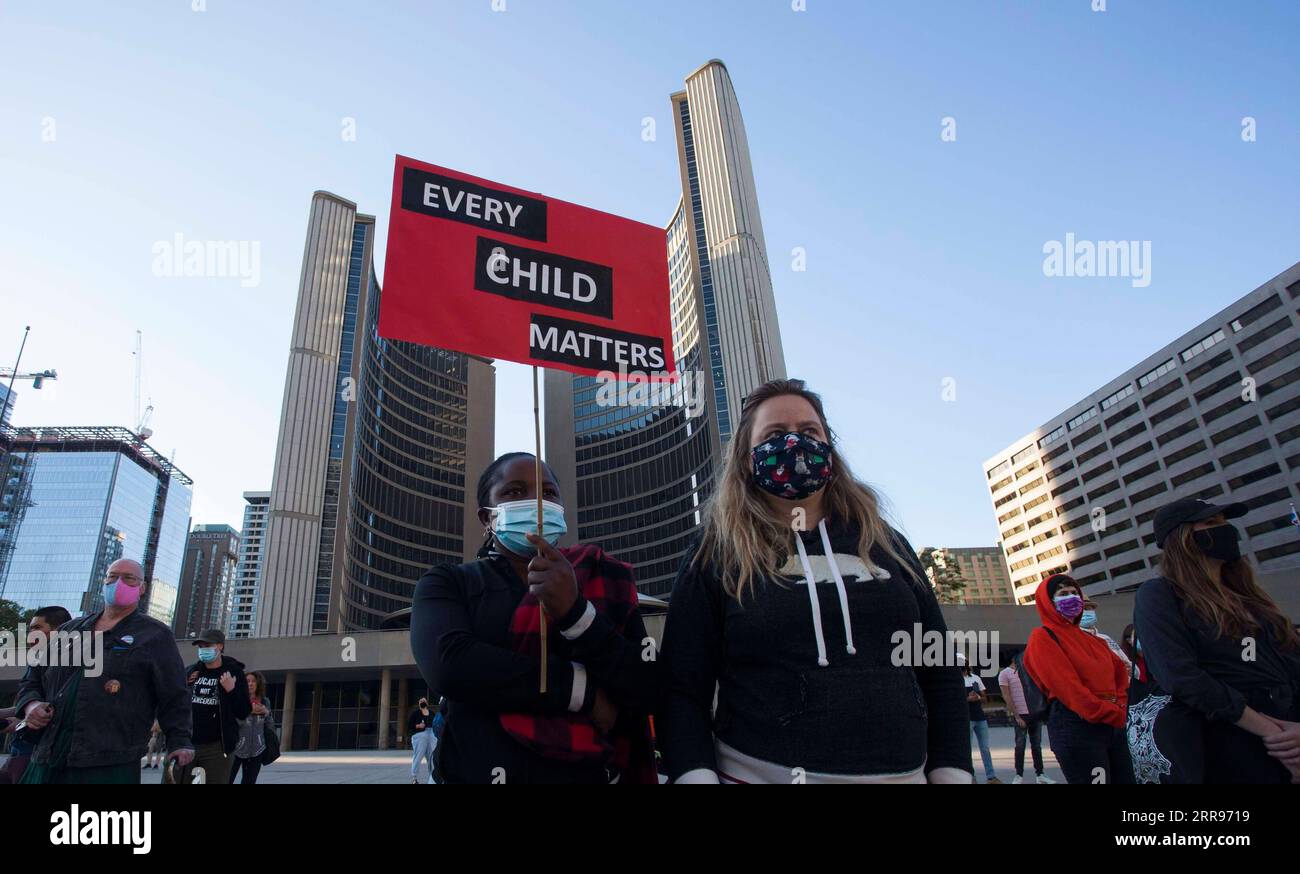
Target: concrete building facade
984	570
375	439
1215	414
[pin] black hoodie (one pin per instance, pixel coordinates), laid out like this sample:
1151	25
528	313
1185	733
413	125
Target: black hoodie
857	714
232	706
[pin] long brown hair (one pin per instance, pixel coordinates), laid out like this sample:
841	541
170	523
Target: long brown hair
1234	604
259	683
744	541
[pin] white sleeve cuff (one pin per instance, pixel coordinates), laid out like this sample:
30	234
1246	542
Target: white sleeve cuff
576	630
579	692
949	775
698	776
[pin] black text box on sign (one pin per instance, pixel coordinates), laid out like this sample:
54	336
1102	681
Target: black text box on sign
593	346
473	204
520	273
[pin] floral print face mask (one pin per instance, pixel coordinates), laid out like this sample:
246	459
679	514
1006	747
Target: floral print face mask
793	466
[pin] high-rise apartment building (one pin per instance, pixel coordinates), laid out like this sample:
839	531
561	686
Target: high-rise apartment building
248	572
641	473
984	571
1215	415
376	436
207	586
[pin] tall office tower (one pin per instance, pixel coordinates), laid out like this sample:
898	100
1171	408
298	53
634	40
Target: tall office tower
207	580
73	501
7	400
375	439
248	572
641	473
984	570
1213	415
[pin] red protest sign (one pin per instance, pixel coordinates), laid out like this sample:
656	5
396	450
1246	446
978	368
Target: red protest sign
479	267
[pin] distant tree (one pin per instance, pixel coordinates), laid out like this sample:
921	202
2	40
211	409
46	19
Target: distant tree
947	580
11	613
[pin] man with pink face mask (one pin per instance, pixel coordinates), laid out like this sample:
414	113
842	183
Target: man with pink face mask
95	714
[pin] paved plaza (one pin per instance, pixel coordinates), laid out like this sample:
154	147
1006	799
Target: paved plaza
394	766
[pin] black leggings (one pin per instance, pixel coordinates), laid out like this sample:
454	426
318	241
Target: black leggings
251	768
1088	752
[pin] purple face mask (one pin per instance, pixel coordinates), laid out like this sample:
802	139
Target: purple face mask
1069	606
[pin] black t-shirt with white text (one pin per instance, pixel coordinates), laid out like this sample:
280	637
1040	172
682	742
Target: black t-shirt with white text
205	703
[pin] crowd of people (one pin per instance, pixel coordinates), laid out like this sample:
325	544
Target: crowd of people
777	662
776	659
142	708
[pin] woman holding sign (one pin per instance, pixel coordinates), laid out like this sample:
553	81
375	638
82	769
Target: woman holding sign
475	636
793	608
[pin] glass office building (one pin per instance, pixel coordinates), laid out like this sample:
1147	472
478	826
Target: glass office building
407	503
7	399
75	500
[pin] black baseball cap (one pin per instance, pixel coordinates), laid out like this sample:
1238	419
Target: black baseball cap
212	635
1185	510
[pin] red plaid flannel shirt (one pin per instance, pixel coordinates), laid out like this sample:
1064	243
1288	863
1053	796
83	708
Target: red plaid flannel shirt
609	586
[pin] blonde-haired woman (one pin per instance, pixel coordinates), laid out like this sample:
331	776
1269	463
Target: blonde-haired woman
1215	641
790	609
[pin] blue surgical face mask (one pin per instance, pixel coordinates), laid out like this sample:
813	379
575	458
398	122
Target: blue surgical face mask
207	654
1088	619
513	521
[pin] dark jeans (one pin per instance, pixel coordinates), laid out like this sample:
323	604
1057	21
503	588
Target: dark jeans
252	767
212	758
1088	752
1034	729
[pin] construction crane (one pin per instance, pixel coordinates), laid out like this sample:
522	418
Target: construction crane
13	373
37	378
142	430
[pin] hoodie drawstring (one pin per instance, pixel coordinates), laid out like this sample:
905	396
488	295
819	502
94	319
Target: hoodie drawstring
816	608
839	585
811	580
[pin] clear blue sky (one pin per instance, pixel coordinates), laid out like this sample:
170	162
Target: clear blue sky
924	258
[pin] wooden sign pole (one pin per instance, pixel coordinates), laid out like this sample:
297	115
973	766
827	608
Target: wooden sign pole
537	477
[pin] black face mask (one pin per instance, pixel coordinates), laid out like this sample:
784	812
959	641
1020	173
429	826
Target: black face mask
792	466
1221	542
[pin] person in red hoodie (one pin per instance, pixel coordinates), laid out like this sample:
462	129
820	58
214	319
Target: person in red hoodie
1086	685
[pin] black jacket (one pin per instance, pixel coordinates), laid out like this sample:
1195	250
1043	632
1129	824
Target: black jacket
235	704
416	718
859	714
141	663
1190	661
460	619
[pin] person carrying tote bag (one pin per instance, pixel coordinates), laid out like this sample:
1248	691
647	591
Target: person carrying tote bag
1195	623
258	743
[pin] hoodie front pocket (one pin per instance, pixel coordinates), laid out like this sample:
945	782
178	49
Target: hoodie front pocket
868	720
